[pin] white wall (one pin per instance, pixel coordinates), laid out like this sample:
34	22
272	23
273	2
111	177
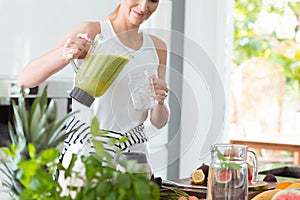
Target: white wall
206	28
32	27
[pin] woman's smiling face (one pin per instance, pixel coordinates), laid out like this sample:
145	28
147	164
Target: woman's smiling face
139	10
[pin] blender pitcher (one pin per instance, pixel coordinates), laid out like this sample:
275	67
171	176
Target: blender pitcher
228	172
104	61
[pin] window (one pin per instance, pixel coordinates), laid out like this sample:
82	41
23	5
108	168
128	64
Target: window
265	75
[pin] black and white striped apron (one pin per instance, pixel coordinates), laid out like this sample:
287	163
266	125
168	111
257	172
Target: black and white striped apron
80	134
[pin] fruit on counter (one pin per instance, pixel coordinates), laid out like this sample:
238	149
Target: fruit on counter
297	181
289	194
189	198
283	184
294	185
205	169
266	195
224	177
258	185
270	178
192	198
198	177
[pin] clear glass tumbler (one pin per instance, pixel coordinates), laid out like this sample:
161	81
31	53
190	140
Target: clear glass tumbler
141	90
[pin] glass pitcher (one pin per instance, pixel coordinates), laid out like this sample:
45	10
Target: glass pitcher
104	61
228	172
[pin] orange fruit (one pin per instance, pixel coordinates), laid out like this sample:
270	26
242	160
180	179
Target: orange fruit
294	185
182	198
297	181
283	185
198	176
193	198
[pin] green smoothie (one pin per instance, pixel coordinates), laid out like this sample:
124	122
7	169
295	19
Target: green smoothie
98	72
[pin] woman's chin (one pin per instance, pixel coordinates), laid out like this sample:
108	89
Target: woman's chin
137	21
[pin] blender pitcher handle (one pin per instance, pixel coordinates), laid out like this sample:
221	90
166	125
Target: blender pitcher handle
92	44
253	157
74	66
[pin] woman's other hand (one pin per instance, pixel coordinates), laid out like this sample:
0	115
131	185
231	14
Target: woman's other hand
160	88
76	47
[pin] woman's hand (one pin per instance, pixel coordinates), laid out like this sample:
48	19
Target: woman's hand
160	88
75	47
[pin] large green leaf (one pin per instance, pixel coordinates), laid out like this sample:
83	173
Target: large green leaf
24	115
36	121
12	133
57	127
48	155
51	112
98	147
18	122
141	190
44	98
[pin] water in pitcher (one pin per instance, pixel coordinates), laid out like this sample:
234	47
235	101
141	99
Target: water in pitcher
228	184
228	175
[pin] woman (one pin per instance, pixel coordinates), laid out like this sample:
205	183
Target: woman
114	109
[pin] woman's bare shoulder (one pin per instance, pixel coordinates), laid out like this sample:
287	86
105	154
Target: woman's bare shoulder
159	43
91	27
161	49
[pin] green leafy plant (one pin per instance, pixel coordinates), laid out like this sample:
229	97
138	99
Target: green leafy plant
32	132
106	181
32	166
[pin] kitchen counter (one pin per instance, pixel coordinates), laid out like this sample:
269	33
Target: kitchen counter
201	192
284	177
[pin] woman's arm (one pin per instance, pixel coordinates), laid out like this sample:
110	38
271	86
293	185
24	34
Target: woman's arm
73	45
159	115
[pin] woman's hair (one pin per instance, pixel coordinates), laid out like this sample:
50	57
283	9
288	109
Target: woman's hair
114	13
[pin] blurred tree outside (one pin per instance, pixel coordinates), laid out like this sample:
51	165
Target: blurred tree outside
271	56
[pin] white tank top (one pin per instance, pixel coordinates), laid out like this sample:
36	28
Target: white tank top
114	108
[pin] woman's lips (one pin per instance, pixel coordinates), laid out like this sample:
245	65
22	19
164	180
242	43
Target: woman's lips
139	14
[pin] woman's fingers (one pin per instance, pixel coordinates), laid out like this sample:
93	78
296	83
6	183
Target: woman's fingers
161	89
85	36
76	46
161	95
160	84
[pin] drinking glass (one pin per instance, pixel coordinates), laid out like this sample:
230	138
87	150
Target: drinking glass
141	90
